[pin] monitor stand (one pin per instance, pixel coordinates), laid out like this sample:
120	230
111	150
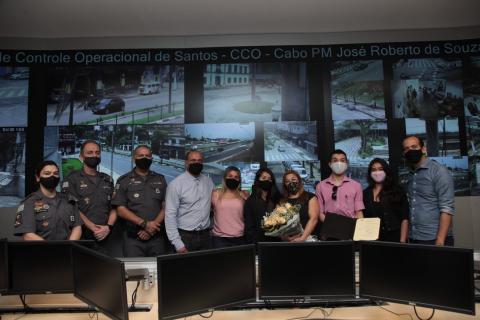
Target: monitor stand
66	309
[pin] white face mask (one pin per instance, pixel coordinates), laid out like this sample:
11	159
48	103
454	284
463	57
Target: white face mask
378	176
338	167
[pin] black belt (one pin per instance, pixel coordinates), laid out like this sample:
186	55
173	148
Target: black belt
195	231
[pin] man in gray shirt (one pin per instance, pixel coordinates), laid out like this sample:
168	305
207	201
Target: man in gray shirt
187	209
431	195
139	198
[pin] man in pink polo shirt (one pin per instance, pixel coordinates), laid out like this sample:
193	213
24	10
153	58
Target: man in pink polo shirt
338	194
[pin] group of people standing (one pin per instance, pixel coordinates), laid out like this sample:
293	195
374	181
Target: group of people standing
190	214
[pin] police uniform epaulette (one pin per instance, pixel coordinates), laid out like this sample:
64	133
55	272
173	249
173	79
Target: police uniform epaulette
67	197
105	176
126	175
31	195
74	172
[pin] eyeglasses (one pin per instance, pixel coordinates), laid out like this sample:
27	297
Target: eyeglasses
334	193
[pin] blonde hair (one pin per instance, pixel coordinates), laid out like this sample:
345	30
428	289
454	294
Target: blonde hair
221	191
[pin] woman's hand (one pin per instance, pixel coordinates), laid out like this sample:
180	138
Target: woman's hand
294	238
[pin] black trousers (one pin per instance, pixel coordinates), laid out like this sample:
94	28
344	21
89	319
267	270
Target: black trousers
196	240
134	247
103	246
223	242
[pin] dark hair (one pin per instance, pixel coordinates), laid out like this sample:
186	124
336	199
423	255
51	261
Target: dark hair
87	142
273	194
141	146
42	165
391	192
303	195
420	140
337	151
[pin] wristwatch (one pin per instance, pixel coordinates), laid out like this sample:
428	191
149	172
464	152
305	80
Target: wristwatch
143	224
110	226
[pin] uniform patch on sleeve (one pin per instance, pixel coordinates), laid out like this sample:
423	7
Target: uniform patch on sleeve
65	184
21	208
72	218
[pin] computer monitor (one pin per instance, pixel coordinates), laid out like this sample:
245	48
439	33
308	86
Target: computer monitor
3	266
306	270
99	281
37	267
196	282
430	276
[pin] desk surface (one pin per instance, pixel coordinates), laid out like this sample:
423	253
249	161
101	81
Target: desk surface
358	313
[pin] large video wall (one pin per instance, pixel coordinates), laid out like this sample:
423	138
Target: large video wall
247	107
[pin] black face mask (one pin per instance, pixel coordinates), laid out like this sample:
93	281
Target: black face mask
91	162
414	156
265	185
292	187
143	163
232	184
195	168
49	183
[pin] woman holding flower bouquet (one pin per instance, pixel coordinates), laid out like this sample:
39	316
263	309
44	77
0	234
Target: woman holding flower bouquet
227	203
296	195
264	198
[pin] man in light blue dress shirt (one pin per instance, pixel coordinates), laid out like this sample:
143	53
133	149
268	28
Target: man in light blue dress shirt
187	211
431	196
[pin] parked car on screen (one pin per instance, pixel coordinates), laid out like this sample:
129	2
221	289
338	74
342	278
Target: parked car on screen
109	105
359	66
20	75
300	170
149	88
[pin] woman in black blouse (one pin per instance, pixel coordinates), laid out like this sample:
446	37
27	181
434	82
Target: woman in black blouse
384	198
264	198
295	194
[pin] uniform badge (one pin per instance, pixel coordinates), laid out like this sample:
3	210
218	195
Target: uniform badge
18	219
83	185
72	218
136	195
46	206
87	200
38	206
157	190
65	184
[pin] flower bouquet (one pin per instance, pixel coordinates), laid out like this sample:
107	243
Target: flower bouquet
283	221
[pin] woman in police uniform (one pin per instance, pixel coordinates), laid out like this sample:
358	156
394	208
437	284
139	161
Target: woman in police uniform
46	214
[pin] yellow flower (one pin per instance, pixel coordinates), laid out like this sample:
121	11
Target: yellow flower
281	210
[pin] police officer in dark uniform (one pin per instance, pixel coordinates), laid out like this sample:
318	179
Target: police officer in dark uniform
93	192
140	199
46	214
